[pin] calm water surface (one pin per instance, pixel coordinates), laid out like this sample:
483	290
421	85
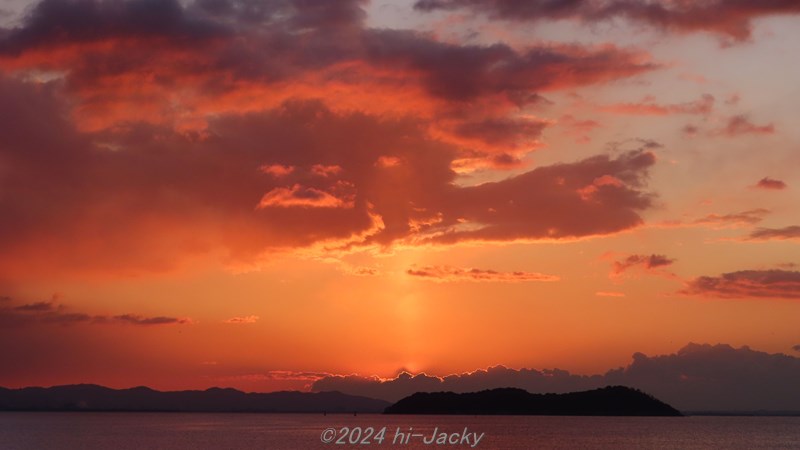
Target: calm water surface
125	431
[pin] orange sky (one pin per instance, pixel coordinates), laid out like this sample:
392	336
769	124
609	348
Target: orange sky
260	194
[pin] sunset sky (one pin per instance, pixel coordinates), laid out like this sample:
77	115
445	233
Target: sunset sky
259	194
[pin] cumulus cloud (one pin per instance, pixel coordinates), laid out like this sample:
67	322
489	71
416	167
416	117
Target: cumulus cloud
696	378
729	18
770	184
771	284
447	273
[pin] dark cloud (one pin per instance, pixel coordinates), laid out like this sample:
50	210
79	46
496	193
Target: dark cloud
102	202
696	378
730	18
548	202
769	183
504	133
38	306
50	313
446	273
766	234
772	284
646	262
464	72
140	320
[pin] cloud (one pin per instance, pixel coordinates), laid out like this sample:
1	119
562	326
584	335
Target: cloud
647	262
547	203
765	234
696	378
609	294
277	170
303	197
647	106
770	184
467	72
173	132
796	348
730	18
50	313
242	319
449	274
140	320
771	284
212	196
748	217
739	125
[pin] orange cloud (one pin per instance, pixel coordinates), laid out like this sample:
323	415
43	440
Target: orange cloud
242	319
303	197
609	294
448	274
277	170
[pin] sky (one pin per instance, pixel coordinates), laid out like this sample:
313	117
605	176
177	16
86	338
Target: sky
281	194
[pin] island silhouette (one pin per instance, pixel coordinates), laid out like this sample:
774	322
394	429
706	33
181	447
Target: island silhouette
608	401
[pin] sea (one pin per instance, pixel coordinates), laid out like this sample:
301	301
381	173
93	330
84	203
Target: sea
201	431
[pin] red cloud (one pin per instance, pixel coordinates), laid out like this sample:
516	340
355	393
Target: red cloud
777	284
770	184
730	18
446	273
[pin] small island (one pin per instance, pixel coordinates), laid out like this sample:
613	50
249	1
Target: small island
608	401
